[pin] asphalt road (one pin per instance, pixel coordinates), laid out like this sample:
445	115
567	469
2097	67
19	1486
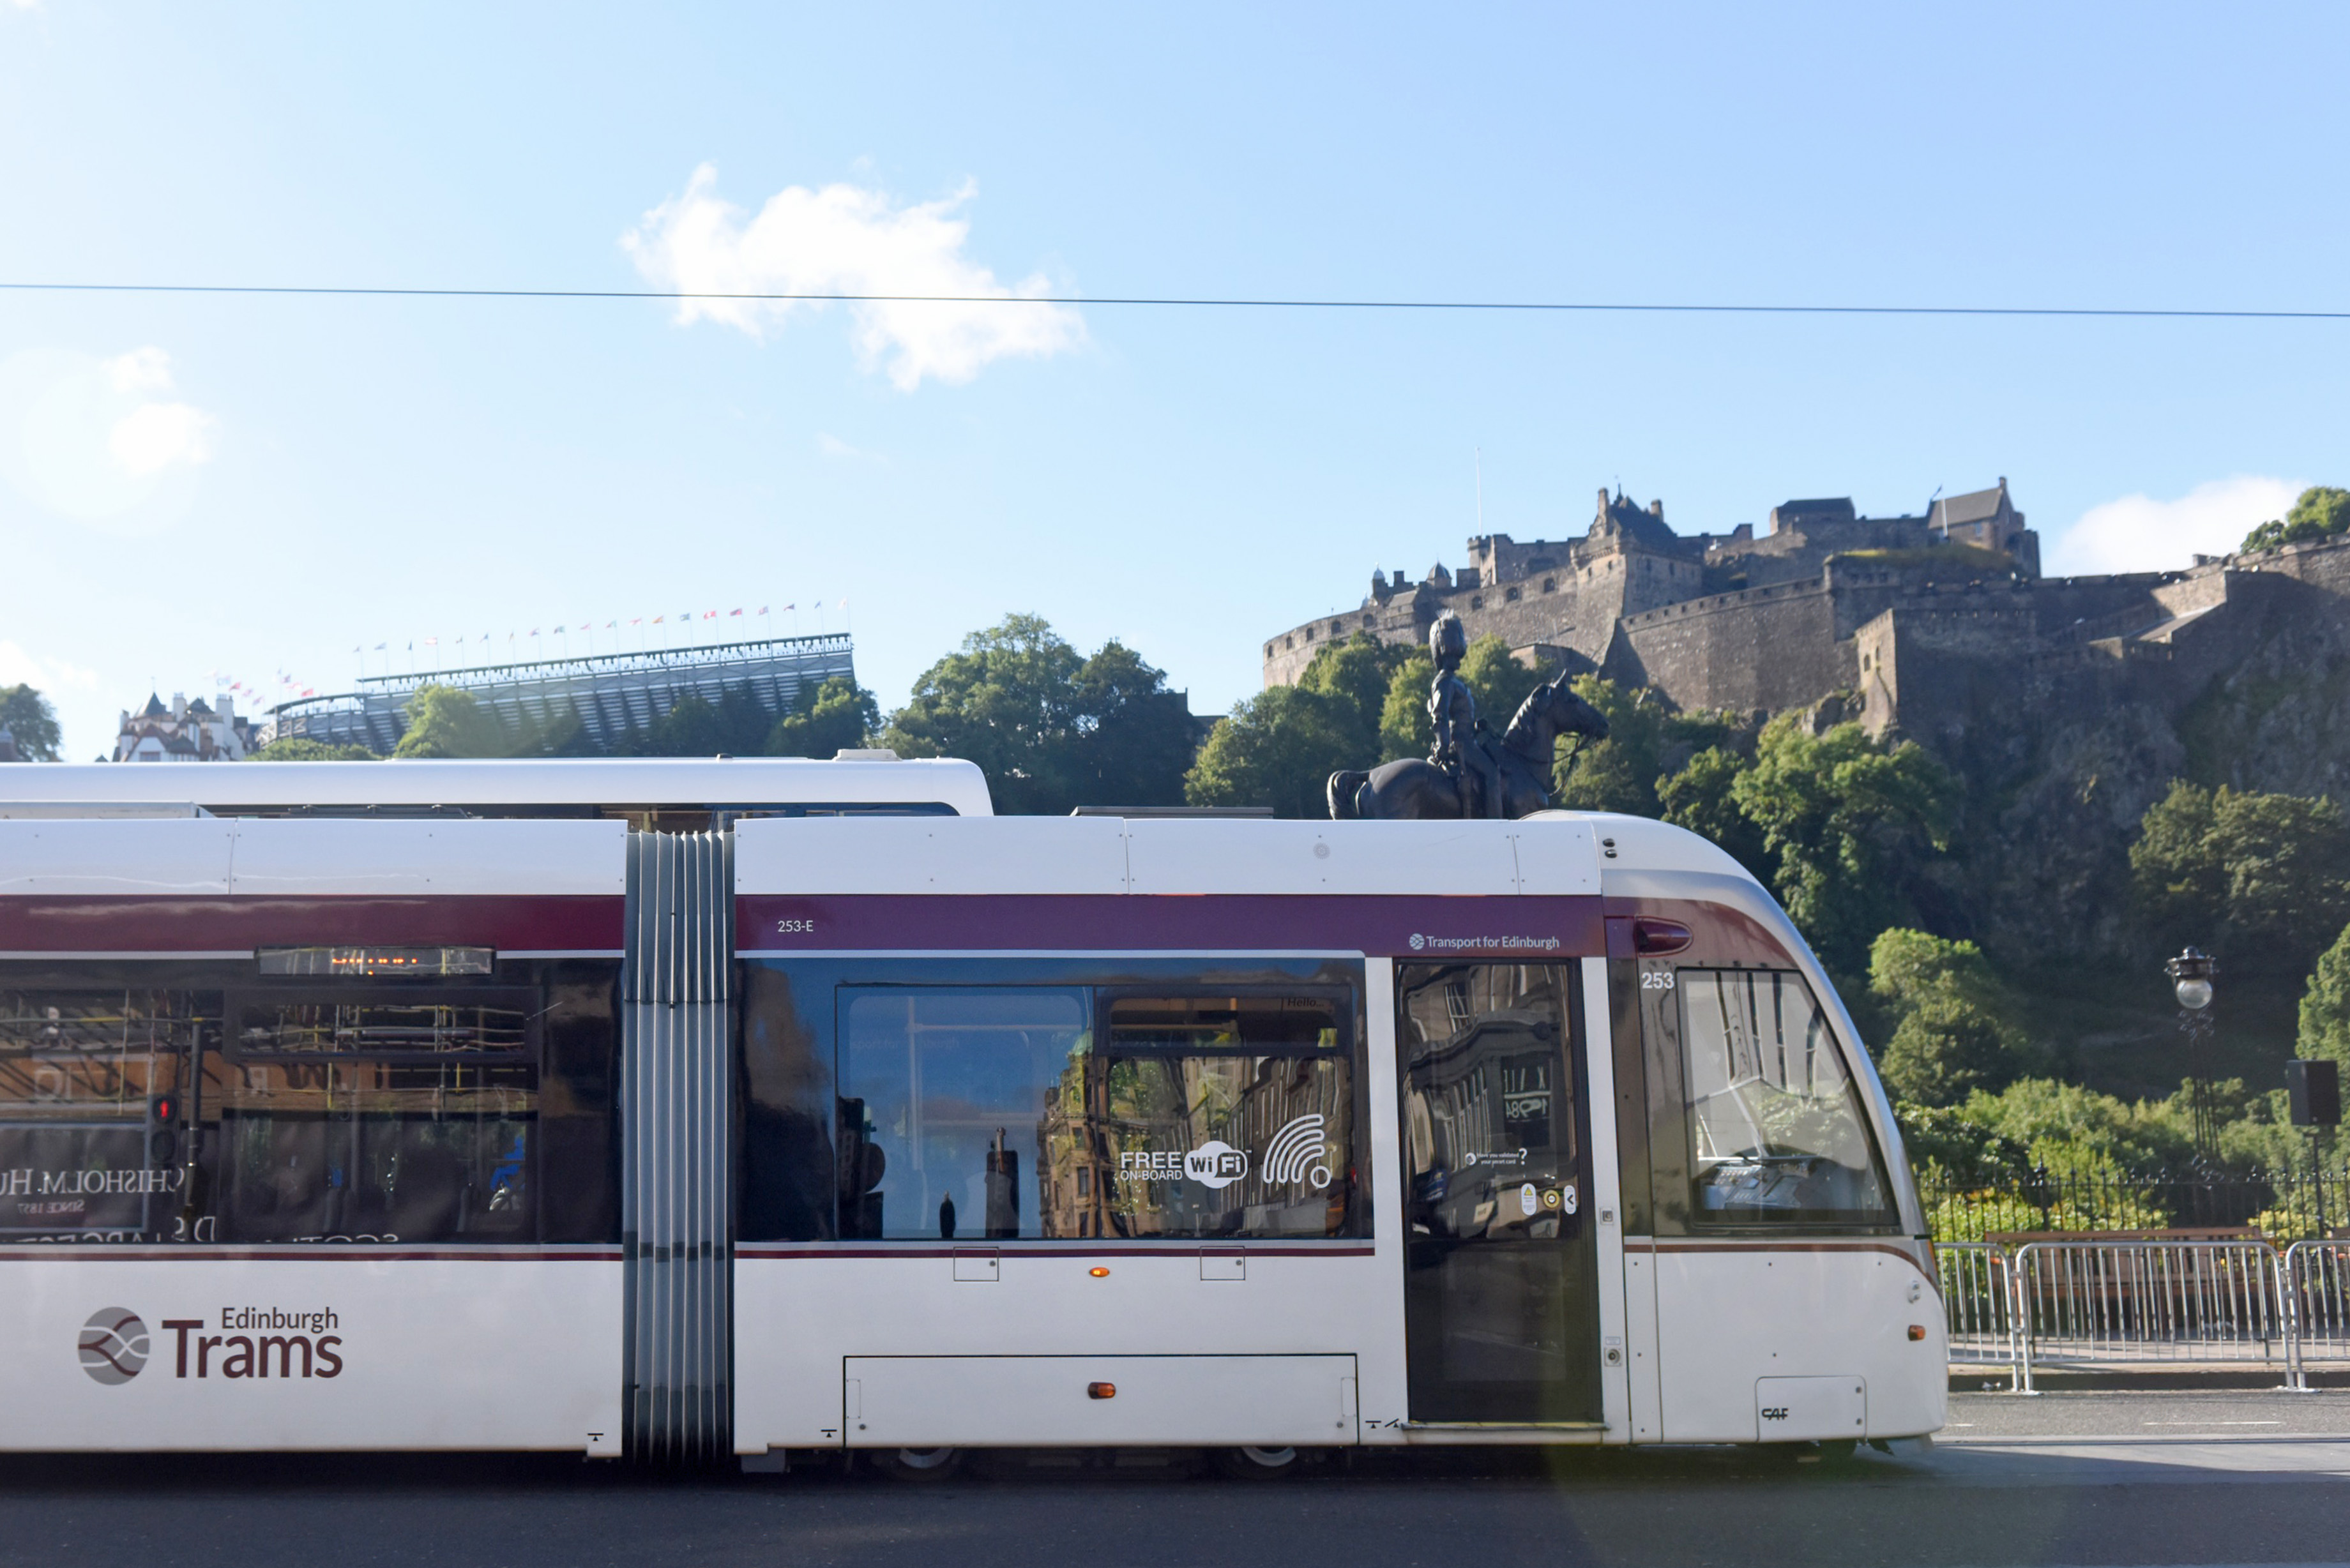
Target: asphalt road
2063	1479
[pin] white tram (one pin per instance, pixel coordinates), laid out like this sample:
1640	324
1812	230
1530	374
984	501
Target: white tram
682	1110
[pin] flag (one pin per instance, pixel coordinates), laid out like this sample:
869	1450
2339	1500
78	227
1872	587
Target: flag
636	621
762	609
788	608
710	615
587	626
379	648
431	642
843	604
614	625
354	650
729	612
657	621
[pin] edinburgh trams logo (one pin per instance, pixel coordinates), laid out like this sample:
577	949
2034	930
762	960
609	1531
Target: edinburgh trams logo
113	1345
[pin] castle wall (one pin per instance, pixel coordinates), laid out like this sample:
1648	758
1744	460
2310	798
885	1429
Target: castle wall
1768	648
1574	607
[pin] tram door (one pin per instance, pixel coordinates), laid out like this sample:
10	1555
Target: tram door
1500	1283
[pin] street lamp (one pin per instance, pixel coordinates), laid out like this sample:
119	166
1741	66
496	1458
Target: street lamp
2190	975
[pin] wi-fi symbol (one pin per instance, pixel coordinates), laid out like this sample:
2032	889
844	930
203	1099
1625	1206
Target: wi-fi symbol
1296	1153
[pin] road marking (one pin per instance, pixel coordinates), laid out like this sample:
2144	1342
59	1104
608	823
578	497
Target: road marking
2215	1423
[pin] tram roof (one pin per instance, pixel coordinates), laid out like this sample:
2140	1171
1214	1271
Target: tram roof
730	784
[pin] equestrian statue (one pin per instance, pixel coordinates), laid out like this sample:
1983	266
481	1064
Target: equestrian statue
1468	773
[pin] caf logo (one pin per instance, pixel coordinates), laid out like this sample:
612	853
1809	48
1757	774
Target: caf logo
113	1345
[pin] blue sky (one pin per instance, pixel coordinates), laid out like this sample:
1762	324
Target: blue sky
202	489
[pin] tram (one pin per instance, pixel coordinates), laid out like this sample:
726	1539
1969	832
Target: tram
706	1111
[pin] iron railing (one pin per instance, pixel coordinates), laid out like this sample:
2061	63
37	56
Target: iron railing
2284	1206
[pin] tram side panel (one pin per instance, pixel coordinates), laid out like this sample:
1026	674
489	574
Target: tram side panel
1791	1300
308	1135
1036	1199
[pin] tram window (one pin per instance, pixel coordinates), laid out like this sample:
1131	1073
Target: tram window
1492	1149
943	1092
374	1114
1776	1129
1207	1116
994	1112
92	1125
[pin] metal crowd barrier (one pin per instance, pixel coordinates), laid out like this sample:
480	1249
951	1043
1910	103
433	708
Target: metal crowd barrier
2106	1303
2316	1275
1978	1302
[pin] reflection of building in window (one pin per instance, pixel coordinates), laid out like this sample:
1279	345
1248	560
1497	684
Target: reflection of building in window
90	1125
1199	1115
1487	1103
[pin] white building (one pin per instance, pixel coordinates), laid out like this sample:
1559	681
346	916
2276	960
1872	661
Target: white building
184	732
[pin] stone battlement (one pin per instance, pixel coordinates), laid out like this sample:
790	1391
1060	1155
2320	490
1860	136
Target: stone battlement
1916	613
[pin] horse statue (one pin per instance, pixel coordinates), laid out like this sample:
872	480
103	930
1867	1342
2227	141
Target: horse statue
1413	788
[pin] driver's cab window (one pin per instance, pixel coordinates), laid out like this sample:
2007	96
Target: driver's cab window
1777	1132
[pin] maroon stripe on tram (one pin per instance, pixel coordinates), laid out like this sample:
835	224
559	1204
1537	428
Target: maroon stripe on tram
162	923
773	1252
1531	927
94	1251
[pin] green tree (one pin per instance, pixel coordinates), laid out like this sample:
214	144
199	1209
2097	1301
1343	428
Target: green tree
302	749
1849	826
1499	680
1963	1152
1942	1005
1701	798
1134	738
1404	729
1050	728
27	715
2321	512
2325	1007
2260	879
1357	676
448	721
2069	1128
838	716
1274	750
1620	772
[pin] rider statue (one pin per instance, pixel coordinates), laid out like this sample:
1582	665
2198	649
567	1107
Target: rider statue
1459	750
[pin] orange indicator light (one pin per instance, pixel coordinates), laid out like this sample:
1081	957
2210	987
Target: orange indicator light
1917	1331
1099	1273
1101	1390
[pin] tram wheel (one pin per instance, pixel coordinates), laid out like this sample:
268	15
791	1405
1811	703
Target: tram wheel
917	1464
1257	1464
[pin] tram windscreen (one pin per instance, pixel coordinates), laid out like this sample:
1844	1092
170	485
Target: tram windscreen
1776	1129
995	1112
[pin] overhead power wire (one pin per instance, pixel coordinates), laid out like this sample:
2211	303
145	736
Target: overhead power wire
1554	307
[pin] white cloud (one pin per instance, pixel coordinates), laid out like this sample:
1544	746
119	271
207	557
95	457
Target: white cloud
19	668
2139	534
100	440
147	370
156	435
844	239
